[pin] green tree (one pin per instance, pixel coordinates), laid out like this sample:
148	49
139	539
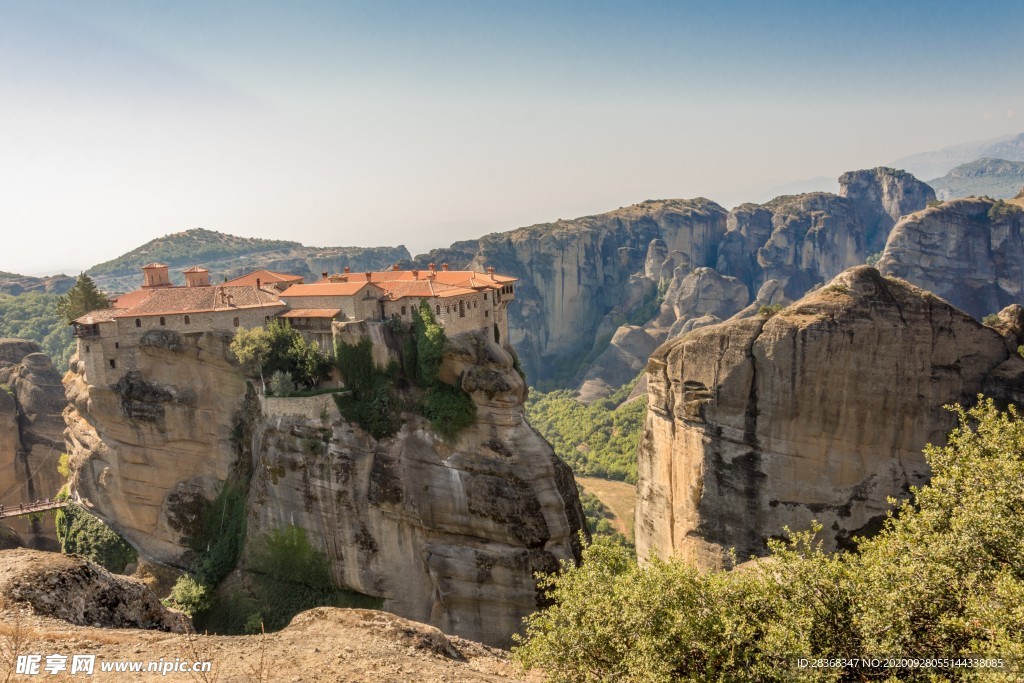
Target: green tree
251	346
83	297
430	342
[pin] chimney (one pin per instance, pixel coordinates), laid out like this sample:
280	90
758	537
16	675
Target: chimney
197	277
415	275
323	275
444	266
490	270
258	283
347	269
155	275
369	276
394	266
432	266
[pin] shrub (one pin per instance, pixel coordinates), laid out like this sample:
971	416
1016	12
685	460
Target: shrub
1002	209
80	533
449	409
770	310
281	383
991	320
190	596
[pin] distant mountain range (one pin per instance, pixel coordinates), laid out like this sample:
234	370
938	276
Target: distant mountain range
939	162
996	178
228	256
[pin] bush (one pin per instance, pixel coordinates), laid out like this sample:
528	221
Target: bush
281	383
190	596
82	534
449	409
991	320
944	578
1002	209
770	310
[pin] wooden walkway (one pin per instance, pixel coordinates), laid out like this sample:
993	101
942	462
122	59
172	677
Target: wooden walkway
41	506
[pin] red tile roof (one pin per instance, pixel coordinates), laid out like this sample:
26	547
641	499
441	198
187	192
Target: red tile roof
196	269
103	315
265	277
311	313
200	300
132	299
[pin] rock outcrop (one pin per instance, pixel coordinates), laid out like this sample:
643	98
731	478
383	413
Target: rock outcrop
573	273
446	532
75	590
968	251
31	434
818	412
450	533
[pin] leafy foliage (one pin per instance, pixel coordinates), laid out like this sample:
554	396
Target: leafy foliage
190	596
83	297
219	540
279	347
449	409
281	383
34	316
430	342
769	310
598	516
599	439
944	578
82	534
1002	210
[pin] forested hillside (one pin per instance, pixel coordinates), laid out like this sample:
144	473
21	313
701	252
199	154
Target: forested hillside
34	316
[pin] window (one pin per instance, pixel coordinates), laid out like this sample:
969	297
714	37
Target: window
188	320
462	308
87	348
485	296
439	309
403	310
235	322
487	314
113	363
117	345
447	309
163	321
138	322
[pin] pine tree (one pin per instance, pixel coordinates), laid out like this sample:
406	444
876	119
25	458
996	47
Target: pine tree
83	297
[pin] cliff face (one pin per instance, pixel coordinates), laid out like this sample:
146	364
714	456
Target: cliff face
447	533
572	273
819	412
31	434
968	251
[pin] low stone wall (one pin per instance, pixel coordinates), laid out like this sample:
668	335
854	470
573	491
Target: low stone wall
305	406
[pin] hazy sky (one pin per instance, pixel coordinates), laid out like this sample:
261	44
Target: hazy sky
340	123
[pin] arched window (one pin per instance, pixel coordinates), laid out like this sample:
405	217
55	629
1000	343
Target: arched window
403	310
162	321
485	296
447	309
439	309
138	322
188	321
462	308
235	322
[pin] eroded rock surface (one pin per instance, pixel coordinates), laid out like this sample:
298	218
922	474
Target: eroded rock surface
448	533
819	412
78	591
968	251
31	434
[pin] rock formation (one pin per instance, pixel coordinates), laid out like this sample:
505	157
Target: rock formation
819	412
968	251
446	532
572	273
78	591
31	434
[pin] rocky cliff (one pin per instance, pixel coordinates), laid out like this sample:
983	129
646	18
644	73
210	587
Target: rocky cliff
446	532
31	434
818	412
968	251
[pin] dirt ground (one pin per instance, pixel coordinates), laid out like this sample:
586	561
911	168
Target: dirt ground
618	496
323	644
